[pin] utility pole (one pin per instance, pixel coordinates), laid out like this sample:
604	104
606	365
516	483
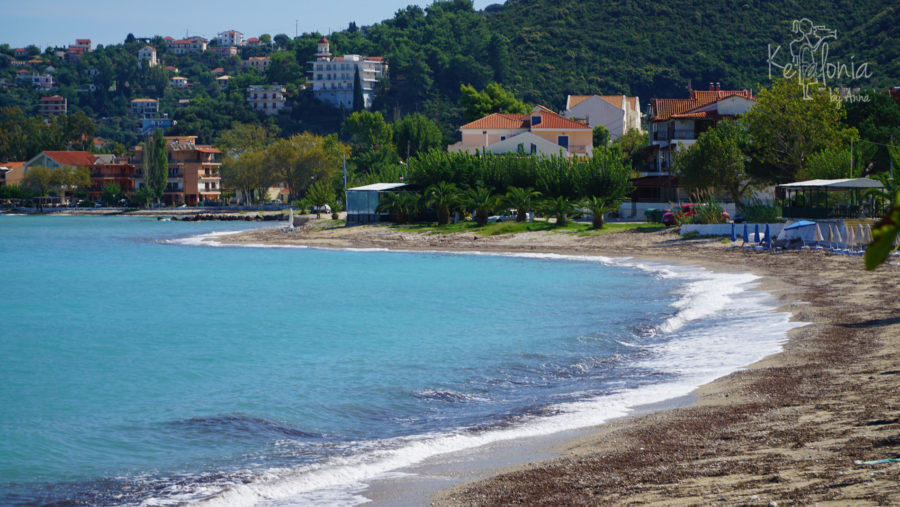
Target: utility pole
296	27
851	158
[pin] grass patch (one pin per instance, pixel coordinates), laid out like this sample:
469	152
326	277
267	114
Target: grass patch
500	228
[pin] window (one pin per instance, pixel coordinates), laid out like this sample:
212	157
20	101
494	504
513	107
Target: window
503	138
535	120
533	149
563	141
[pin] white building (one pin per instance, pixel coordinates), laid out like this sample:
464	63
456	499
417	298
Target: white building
266	98
333	79
618	113
178	82
147	53
230	38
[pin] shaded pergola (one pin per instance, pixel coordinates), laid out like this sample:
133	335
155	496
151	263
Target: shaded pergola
362	202
830	199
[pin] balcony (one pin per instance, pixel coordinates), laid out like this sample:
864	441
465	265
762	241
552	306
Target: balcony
684	134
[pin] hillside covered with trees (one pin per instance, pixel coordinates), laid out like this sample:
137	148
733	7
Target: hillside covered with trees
538	50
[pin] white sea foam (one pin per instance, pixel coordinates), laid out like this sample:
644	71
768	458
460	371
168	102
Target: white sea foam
720	325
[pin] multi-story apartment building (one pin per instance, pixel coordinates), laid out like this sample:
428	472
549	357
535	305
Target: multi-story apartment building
40	81
53	105
230	38
147	54
193	171
333	80
145	108
266	98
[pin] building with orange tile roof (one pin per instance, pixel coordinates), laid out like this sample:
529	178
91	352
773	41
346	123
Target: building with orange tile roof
618	113
230	38
676	123
541	132
193	171
260	63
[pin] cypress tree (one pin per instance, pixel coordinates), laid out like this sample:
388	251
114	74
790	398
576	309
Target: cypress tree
358	101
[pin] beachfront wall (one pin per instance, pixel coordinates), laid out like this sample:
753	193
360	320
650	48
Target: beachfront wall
725	229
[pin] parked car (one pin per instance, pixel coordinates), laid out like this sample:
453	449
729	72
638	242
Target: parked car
687	210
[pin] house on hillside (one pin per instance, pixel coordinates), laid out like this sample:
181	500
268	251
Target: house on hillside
144	108
178	82
53	105
618	113
223	51
333	80
147	54
230	38
260	63
675	123
268	99
187	46
541	132
20	53
253	42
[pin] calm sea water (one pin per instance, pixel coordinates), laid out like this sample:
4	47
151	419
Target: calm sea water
139	367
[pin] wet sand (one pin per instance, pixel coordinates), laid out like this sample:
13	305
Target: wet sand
787	429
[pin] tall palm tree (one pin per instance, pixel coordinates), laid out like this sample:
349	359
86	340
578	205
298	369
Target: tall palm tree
442	197
402	205
559	207
598	206
523	200
483	202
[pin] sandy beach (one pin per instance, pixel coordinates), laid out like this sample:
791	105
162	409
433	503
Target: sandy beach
787	429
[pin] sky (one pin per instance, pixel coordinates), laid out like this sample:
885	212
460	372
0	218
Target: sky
59	22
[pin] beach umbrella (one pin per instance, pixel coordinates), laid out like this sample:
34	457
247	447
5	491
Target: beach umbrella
756	233
746	236
766	240
851	238
818	237
733	237
861	234
837	236
868	231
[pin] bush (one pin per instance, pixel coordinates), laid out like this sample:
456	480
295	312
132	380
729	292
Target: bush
654	215
761	212
710	212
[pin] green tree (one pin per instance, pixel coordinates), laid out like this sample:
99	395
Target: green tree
156	164
559	207
598	206
442	197
401	205
415	134
601	136
39	180
493	99
785	129
320	194
371	139
522	200
111	194
483	202
716	161
630	142
359	102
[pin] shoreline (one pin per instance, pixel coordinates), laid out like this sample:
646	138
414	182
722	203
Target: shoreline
786	428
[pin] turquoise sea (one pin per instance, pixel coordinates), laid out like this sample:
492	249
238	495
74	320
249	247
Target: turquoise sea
139	367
